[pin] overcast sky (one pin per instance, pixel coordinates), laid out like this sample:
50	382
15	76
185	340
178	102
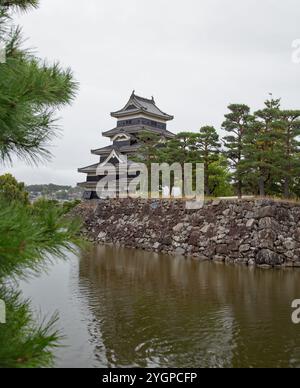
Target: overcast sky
194	56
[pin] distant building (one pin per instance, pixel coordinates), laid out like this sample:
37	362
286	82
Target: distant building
138	115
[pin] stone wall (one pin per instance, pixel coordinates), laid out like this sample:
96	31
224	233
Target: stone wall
252	232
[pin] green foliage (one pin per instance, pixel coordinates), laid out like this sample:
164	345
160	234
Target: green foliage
25	344
179	149
46	189
23	5
237	124
263	146
13	191
149	143
29	235
261	152
31	91
30	238
43	202
64	207
220	178
6	8
191	147
270	165
207	147
290	157
26	108
70	205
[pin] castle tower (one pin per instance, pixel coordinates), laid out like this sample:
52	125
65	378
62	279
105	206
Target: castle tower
138	115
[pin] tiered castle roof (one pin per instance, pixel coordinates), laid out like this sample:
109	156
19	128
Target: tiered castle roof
138	115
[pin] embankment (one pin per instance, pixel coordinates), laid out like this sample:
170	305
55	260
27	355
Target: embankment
252	232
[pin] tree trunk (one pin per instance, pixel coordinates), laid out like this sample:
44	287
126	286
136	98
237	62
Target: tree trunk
289	167
206	180
262	186
240	189
240	182
287	193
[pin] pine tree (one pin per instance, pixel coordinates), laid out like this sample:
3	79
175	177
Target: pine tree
207	147
220	178
291	149
237	123
185	148
263	150
30	93
154	149
179	149
148	150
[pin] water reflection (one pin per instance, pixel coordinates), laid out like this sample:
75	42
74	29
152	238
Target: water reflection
124	308
155	310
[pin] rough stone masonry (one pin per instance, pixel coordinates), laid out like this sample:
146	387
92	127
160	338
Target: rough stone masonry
253	232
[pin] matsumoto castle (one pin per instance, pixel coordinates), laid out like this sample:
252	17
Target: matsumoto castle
138	116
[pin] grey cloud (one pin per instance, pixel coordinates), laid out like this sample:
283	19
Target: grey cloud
195	57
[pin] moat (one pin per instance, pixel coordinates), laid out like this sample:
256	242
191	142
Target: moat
130	308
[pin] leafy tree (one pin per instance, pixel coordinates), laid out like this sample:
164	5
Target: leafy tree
11	190
31	91
237	124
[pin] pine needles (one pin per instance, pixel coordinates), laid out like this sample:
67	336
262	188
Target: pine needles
31	92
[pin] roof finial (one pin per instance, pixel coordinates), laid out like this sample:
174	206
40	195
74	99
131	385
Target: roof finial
133	92
153	99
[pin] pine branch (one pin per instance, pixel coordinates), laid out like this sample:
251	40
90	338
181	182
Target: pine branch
25	344
22	5
31	235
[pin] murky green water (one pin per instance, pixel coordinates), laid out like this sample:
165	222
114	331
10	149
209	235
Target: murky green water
130	308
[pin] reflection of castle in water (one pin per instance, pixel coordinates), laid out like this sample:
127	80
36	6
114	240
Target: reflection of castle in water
161	311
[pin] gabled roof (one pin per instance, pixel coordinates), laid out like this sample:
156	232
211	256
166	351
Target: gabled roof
137	104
